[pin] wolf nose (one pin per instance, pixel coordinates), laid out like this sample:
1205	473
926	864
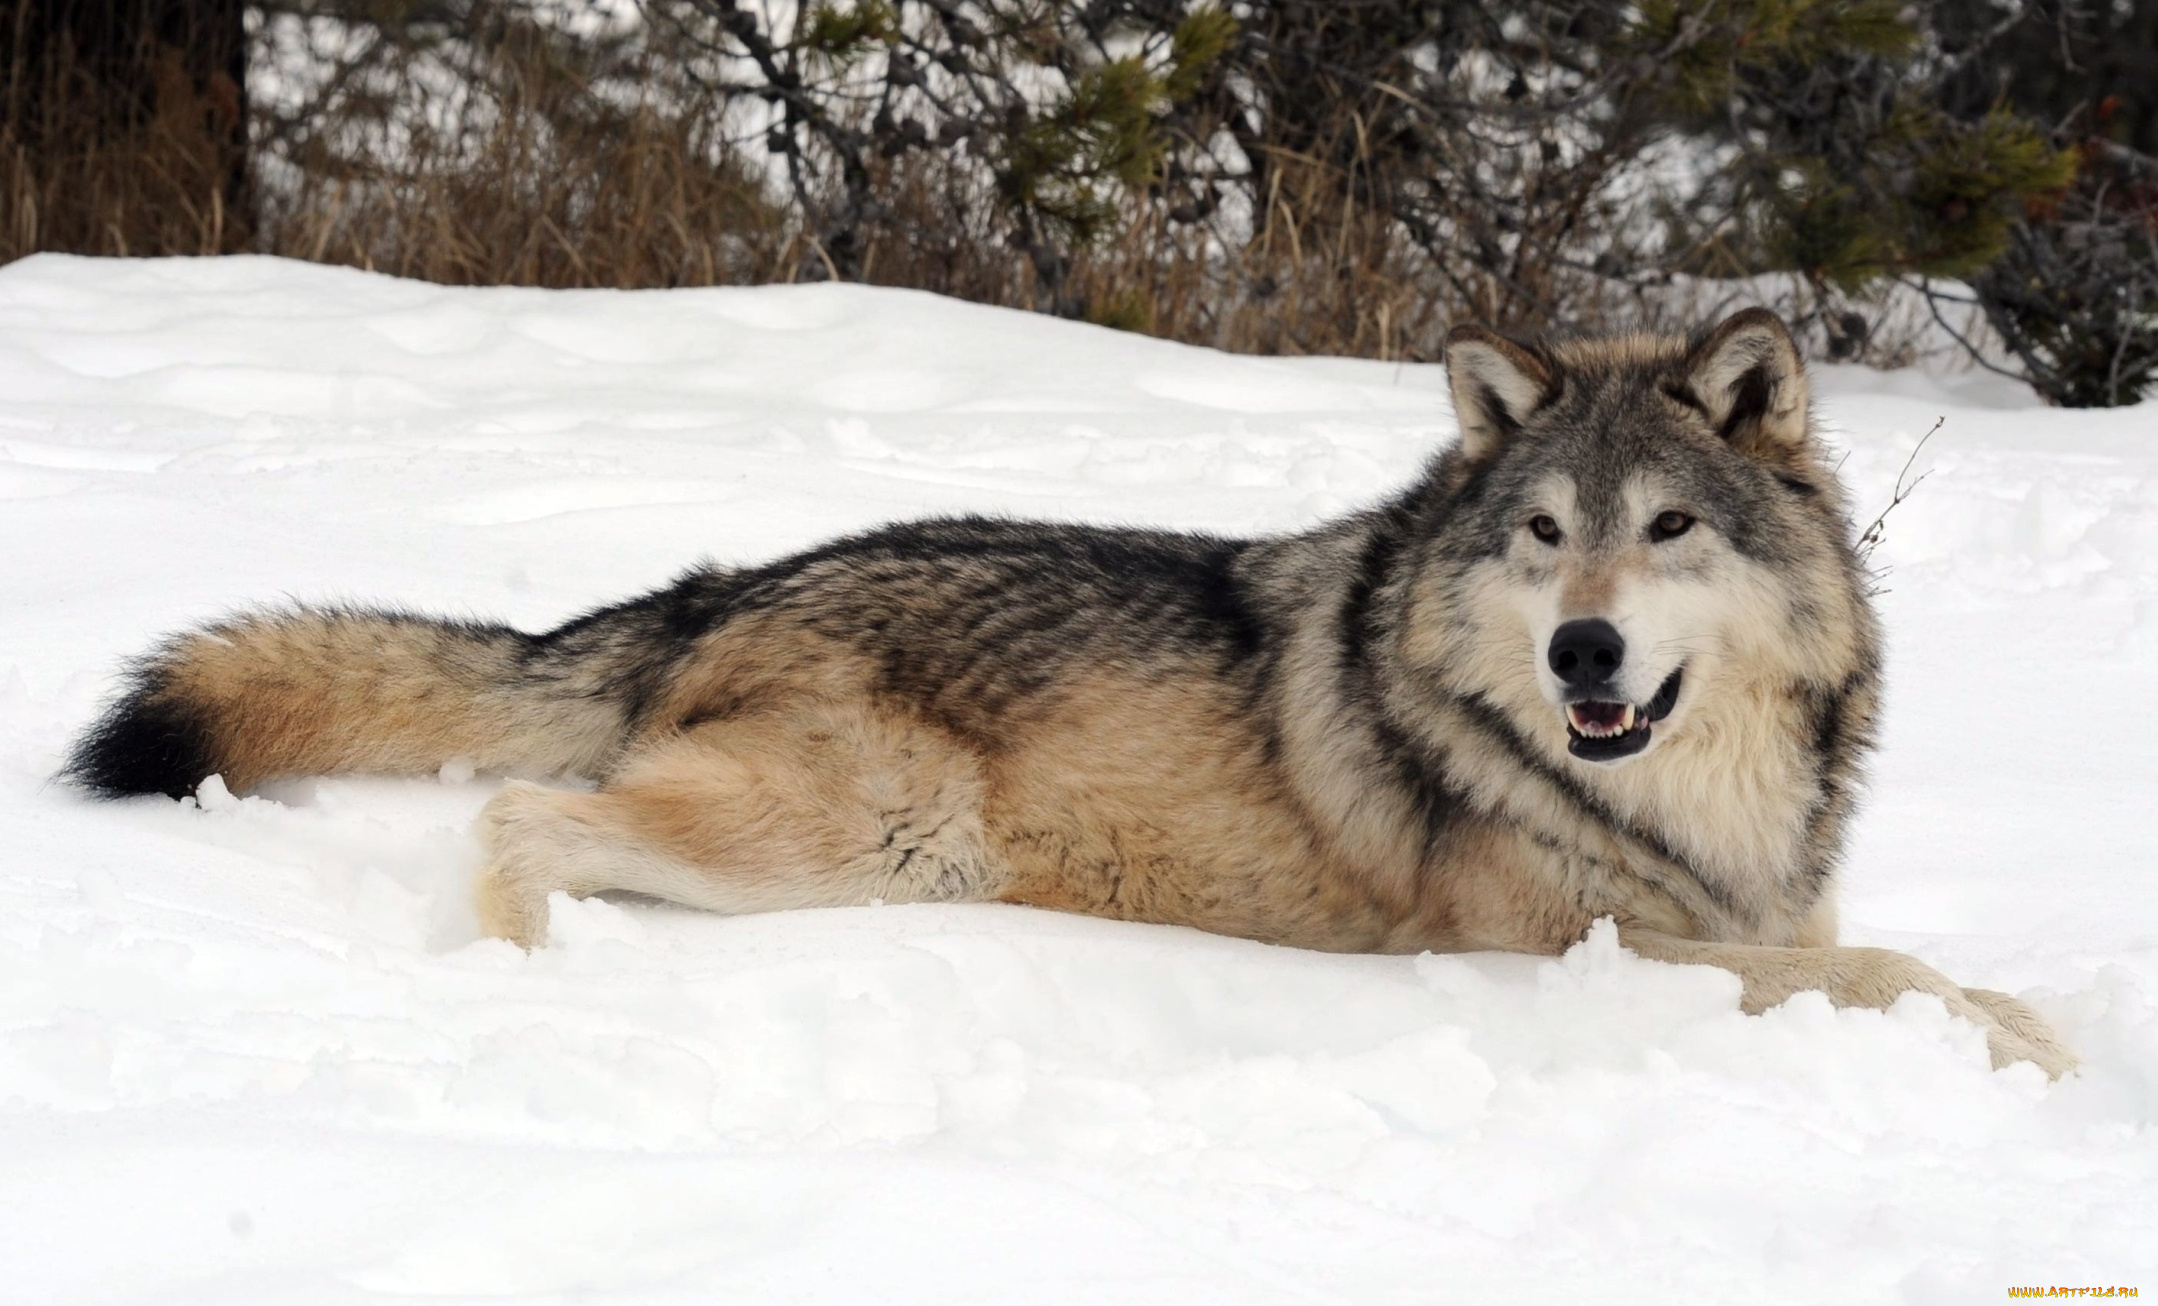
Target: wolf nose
1586	654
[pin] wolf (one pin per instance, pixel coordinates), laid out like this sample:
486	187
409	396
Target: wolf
1611	655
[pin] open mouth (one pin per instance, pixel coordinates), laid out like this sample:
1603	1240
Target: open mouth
1599	731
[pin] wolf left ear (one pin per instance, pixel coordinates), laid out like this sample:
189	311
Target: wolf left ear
1497	383
1747	377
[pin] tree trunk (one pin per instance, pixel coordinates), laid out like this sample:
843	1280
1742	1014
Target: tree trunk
123	126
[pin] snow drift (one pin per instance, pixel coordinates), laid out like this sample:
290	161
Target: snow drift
252	1050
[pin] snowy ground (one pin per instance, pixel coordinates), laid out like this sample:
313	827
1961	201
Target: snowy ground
251	1051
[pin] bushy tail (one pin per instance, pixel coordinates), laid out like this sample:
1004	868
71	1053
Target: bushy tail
312	691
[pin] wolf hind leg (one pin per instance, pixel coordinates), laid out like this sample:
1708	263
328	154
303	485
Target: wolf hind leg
1866	977
540	840
814	805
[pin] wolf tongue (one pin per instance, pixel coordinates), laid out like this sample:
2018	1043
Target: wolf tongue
1599	716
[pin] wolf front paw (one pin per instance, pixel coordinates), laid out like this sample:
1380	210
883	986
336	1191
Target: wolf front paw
2016	1033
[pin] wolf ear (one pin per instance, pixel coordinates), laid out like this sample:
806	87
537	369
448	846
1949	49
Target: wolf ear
1746	375
1497	384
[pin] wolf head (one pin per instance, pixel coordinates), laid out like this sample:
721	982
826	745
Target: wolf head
1632	530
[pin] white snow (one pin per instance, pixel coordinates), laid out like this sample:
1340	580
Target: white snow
252	1051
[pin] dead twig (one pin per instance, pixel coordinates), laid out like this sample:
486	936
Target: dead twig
1870	539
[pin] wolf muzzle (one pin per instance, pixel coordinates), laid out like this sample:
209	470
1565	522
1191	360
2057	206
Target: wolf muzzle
1587	656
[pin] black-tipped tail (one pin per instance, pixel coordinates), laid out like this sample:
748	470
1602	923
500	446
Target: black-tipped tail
325	691
149	742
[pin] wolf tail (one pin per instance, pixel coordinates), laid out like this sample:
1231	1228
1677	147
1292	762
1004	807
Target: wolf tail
311	691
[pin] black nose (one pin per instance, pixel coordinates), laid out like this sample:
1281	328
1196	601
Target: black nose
1586	654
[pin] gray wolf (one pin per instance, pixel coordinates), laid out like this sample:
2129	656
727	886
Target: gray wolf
1611	655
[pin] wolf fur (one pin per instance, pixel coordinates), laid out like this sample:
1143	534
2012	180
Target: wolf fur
1372	736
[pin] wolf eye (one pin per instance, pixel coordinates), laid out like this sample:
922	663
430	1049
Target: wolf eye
1544	528
1669	525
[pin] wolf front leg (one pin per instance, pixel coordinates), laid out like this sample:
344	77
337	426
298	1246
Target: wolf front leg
809	805
1866	977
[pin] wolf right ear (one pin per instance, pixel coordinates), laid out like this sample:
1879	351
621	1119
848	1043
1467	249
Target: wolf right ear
1497	383
1746	377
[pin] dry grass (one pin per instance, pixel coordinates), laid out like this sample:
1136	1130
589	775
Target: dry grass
546	173
528	166
155	173
635	204
506	156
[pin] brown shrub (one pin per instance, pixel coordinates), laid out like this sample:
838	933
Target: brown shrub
122	129
1307	176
